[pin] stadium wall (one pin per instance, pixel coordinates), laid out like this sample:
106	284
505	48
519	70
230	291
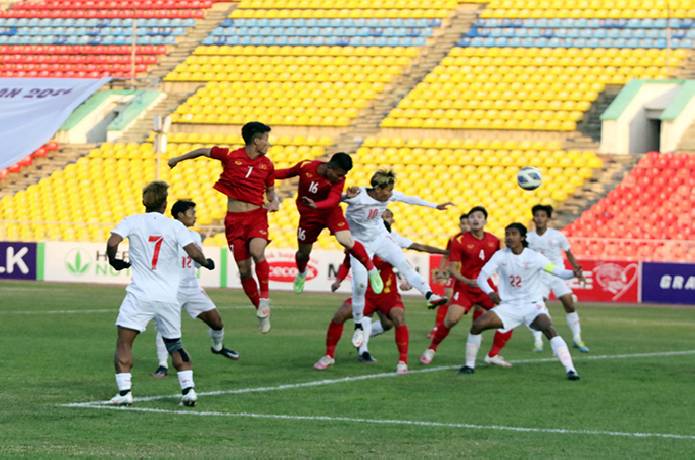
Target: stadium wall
76	262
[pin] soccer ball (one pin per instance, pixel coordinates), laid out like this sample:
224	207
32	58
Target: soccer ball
529	178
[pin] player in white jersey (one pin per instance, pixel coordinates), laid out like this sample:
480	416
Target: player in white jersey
552	244
520	299
364	211
192	297
153	250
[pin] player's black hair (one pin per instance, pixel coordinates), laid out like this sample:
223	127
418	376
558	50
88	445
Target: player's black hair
341	160
463	216
181	206
521	228
383	178
478	208
543	207
253	129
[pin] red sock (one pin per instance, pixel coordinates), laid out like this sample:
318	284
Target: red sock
335	331
251	290
301	262
499	341
360	253
477	313
263	273
441	314
440	335
402	342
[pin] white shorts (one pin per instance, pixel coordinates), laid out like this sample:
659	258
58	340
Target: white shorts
136	314
195	302
558	286
516	314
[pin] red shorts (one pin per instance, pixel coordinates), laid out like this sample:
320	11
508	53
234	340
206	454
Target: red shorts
311	225
466	297
242	227
382	303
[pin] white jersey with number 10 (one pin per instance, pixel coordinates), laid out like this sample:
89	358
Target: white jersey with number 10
153	250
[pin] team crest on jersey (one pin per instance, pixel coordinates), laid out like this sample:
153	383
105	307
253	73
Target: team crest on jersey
262	232
470	246
309	175
238	163
262	166
491	245
341	224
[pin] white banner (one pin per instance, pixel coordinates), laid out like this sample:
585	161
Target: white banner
32	110
321	270
88	263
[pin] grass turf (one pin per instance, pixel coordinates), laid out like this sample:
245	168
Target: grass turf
58	342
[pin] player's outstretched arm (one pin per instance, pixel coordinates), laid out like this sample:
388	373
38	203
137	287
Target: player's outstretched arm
560	272
201	152
572	260
286	173
196	254
112	250
427	248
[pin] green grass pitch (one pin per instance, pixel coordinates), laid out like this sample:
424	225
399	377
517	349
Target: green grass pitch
57	343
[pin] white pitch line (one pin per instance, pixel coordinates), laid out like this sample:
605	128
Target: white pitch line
421	423
323	382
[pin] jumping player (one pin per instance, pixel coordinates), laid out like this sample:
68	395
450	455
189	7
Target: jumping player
468	253
192	297
521	296
319	192
364	211
247	175
154	242
552	244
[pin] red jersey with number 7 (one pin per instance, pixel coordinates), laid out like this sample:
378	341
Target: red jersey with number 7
472	252
243	179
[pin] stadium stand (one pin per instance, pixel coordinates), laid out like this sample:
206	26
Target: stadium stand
41	152
89	39
83	193
648	216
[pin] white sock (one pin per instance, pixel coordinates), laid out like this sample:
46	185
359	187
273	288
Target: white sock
377	327
162	353
367	328
185	379
573	323
472	347
537	336
217	338
562	352
123	381
416	280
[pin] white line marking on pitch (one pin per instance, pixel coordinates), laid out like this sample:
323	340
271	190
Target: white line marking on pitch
422	423
316	383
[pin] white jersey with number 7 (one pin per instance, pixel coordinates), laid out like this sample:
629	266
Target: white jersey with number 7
520	275
153	250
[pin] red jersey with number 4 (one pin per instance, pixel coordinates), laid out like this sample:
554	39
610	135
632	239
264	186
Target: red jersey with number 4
472	252
325	193
243	179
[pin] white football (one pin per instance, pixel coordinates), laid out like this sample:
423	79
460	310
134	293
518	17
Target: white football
529	178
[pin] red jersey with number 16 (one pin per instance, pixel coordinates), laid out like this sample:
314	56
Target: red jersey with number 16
243	179
472	252
325	193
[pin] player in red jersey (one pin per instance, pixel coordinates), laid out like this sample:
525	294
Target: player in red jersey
388	304
442	274
247	175
320	190
468	253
